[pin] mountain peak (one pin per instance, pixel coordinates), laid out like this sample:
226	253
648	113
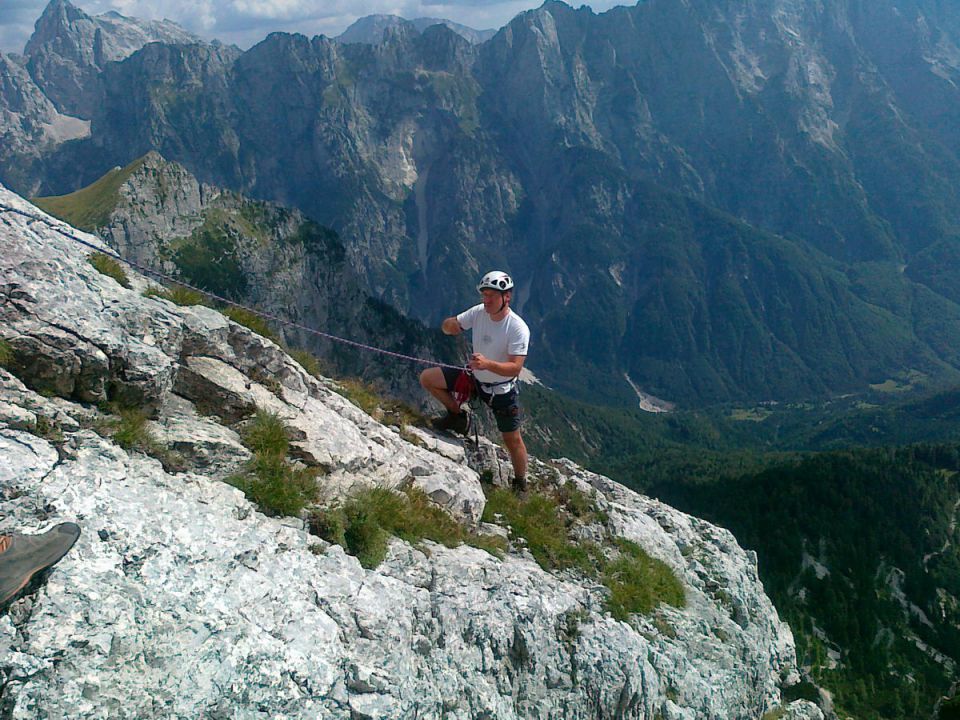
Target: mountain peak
370	30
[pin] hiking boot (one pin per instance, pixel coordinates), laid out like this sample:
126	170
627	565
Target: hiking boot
453	422
24	557
520	484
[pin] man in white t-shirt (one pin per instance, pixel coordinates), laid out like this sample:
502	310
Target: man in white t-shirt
500	342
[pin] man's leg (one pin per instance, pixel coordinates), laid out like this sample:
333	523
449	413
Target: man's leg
518	456
438	382
433	381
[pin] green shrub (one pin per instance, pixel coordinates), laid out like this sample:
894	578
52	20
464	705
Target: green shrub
638	582
130	430
364	524
110	267
252	321
269	479
276	486
210	259
6	353
266	435
178	295
330	524
365	537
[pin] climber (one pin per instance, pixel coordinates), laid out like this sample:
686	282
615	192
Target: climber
25	557
500	342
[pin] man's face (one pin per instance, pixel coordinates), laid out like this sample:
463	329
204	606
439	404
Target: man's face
492	300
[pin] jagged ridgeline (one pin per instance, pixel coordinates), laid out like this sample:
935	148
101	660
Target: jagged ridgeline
273	259
709	202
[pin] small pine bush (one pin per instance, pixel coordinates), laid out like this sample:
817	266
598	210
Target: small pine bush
110	267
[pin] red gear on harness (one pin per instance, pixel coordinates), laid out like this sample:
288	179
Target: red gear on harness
464	388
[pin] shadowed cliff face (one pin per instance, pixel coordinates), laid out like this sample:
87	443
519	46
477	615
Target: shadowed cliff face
69	48
590	155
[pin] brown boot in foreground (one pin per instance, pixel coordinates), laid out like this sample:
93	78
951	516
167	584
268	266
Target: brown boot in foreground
25	557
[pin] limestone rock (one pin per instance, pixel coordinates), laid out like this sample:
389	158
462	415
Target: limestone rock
181	600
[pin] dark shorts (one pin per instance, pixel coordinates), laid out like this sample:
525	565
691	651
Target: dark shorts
506	408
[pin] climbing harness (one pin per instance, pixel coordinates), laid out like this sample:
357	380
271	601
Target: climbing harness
259	313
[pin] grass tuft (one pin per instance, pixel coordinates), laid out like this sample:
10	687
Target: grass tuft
109	267
277	486
251	321
386	410
636	582
6	354
267	435
542	522
309	362
129	430
365	523
178	295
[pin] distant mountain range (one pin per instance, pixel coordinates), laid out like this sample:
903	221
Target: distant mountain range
370	29
705	201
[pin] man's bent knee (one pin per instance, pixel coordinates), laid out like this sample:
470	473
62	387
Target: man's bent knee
432	377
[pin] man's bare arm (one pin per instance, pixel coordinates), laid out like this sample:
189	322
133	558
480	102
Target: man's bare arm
510	368
451	326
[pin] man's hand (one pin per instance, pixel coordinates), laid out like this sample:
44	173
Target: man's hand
451	326
479	362
510	368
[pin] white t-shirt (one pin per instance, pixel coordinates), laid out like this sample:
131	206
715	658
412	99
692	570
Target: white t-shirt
495	340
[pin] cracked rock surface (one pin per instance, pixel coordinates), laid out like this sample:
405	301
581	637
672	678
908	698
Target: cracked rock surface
181	600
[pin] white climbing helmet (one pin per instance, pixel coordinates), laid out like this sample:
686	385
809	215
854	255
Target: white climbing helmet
495	280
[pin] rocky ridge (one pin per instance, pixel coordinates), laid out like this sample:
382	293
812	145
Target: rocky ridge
69	48
279	261
181	599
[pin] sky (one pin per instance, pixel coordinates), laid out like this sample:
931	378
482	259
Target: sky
246	22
